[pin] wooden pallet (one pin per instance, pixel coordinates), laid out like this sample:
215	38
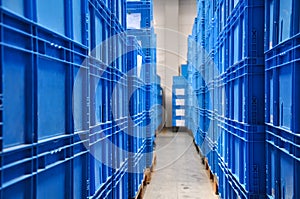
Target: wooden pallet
216	185
199	152
147	178
213	178
153	161
140	192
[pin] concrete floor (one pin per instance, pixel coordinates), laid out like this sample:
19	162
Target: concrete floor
178	172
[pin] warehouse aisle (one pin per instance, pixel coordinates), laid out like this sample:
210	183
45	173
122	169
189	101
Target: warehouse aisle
178	172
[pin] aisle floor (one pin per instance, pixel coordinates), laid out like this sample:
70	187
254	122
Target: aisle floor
178	172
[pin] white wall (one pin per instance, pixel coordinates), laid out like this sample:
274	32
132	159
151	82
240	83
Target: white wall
173	20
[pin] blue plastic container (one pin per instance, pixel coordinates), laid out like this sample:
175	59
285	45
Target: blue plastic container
142	113
139	14
184	71
147	40
240	149
118	10
226	71
282	109
139	23
56	165
280	26
282	163
282	116
51	91
179	101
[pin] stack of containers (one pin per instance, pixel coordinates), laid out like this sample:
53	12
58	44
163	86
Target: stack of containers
234	99
157	105
184	71
108	119
197	77
179	98
228	71
200	80
63	69
180	95
137	107
282	69
241	147
42	147
139	21
192	106
208	86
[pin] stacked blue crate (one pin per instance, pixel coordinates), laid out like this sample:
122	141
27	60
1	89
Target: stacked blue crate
108	118
119	110
191	116
42	148
157	105
137	107
179	99
188	97
230	105
72	134
208	86
193	77
239	66
201	81
139	24
282	82
219	91
241	127
159	97
142	11
184	71
198	78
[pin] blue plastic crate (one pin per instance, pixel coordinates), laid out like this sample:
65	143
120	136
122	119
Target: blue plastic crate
179	110
71	21
228	187
118	12
245	13
242	93
38	43
282	114
101	167
101	29
140	141
283	163
51	49
282	68
137	163
66	157
179	81
147	39
139	14
241	148
120	182
288	25
184	71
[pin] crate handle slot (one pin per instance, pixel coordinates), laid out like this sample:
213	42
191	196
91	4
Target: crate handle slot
1	101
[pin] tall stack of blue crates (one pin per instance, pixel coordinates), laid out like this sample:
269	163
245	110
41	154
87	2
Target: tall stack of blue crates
282	69
243	73
137	107
241	127
233	102
179	97
140	25
192	106
65	133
